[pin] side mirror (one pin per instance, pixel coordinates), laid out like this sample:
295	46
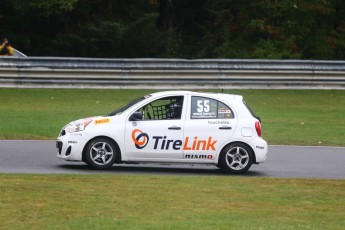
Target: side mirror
136	116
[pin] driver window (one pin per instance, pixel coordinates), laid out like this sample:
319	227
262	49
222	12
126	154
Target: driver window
167	108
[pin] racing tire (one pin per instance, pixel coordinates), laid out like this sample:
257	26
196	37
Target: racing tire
236	158
100	153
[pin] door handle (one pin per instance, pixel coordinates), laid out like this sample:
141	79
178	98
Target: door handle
174	128
225	127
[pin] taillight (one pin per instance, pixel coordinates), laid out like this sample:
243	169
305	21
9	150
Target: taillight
258	128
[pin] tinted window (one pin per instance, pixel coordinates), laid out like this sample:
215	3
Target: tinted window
206	108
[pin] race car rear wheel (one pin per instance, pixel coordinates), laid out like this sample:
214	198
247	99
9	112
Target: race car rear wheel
100	153
236	158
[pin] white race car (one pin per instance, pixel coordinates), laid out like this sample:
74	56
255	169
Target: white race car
171	126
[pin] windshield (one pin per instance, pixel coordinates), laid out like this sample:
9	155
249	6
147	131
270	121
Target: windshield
125	107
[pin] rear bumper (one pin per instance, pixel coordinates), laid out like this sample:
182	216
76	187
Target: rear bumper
260	149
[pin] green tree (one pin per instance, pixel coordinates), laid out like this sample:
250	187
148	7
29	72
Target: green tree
271	29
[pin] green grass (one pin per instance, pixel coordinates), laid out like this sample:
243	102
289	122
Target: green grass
167	202
41	113
294	117
152	202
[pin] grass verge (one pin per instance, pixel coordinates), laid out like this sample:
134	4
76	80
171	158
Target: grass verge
293	117
153	202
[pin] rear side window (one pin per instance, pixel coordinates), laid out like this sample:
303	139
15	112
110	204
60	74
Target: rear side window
207	108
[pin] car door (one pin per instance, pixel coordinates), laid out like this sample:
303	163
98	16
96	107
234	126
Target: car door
158	133
209	124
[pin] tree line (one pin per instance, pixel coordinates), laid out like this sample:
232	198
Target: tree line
263	29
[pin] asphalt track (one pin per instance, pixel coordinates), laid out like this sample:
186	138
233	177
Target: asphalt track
39	157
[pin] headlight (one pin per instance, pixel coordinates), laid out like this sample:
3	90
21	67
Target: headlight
77	126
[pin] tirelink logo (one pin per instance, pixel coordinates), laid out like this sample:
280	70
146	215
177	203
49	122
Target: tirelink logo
141	139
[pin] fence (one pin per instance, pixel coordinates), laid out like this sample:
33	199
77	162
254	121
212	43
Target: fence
53	72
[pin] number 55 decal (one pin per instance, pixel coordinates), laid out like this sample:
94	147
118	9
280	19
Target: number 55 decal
203	106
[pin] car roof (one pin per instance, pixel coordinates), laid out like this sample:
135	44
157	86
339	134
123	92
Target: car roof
201	94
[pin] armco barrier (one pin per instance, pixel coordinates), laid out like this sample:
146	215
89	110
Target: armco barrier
53	72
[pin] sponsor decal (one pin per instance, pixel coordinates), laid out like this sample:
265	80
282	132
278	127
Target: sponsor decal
141	139
102	121
72	142
218	122
197	144
223	110
198	156
76	134
260	147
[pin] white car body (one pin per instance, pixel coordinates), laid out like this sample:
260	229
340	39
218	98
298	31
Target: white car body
194	128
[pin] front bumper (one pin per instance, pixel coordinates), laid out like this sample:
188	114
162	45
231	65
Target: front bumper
71	145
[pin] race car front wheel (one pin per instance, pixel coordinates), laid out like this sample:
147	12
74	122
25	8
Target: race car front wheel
236	158
100	153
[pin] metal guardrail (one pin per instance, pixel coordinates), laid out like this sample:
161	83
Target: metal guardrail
53	72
